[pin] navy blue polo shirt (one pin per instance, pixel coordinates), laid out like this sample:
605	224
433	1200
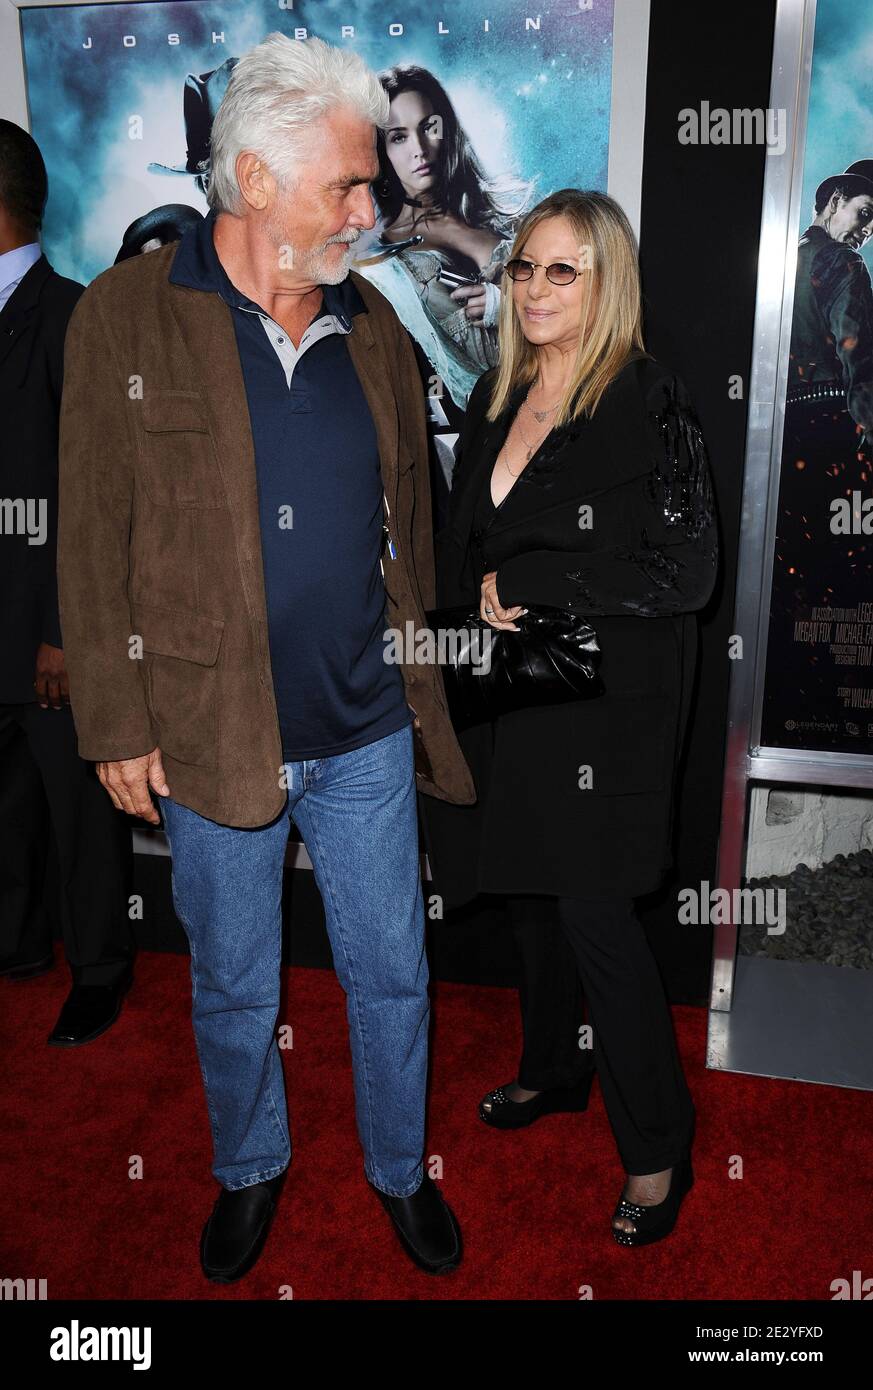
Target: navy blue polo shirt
321	515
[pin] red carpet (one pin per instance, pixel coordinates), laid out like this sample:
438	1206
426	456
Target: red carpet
534	1206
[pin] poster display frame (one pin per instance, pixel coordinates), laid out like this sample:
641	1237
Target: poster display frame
747	761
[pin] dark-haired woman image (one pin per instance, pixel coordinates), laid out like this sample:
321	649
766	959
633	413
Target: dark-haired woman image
581	482
444	287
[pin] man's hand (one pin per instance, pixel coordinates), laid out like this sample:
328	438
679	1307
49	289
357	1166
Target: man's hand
52	684
128	782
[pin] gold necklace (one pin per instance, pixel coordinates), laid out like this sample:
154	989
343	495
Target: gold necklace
530	450
509	470
540	415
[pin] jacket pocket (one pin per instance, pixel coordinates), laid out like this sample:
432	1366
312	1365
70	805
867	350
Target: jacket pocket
181	652
404	458
180	468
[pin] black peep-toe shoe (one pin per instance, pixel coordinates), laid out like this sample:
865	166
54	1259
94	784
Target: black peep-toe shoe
654	1223
506	1113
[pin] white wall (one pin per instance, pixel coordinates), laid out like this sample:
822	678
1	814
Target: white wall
809	825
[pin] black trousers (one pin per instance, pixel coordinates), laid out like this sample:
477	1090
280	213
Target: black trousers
45	788
576	951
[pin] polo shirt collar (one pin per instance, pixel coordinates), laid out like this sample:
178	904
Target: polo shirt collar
197	266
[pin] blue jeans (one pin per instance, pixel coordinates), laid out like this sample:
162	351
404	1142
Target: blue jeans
356	813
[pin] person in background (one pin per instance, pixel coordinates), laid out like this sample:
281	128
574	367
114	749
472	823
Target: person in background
45	787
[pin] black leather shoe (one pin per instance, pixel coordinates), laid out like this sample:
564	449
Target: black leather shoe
87	1012
13	970
426	1227
236	1232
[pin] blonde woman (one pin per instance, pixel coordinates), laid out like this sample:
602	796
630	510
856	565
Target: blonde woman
582	482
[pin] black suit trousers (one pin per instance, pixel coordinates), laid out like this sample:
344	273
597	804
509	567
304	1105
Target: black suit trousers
45	789
577	951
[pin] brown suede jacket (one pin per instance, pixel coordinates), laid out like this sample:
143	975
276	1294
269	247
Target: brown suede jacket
161	585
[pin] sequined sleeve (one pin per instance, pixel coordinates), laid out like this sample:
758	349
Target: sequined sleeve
670	564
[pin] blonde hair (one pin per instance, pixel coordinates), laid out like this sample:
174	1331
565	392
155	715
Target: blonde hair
614	337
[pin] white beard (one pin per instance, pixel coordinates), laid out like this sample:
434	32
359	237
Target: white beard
323	273
311	264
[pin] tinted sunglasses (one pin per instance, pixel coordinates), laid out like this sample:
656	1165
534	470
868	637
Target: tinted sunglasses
559	272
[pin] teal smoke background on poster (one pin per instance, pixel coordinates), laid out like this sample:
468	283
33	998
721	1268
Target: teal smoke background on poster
840	118
533	92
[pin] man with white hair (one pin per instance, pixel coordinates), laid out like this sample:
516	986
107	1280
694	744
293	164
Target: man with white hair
239	409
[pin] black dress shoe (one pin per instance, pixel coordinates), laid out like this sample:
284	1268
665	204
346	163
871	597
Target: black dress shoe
236	1232
88	1011
13	970
426	1227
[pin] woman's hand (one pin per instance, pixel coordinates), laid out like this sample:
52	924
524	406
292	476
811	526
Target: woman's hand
496	615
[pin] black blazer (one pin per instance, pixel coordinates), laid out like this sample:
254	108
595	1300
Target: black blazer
33	324
640	571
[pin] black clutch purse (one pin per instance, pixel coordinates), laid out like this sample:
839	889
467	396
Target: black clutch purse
553	659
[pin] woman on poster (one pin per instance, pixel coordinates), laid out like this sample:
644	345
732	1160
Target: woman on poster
444	230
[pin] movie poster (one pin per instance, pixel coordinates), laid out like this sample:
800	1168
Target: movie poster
512	99
818	686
